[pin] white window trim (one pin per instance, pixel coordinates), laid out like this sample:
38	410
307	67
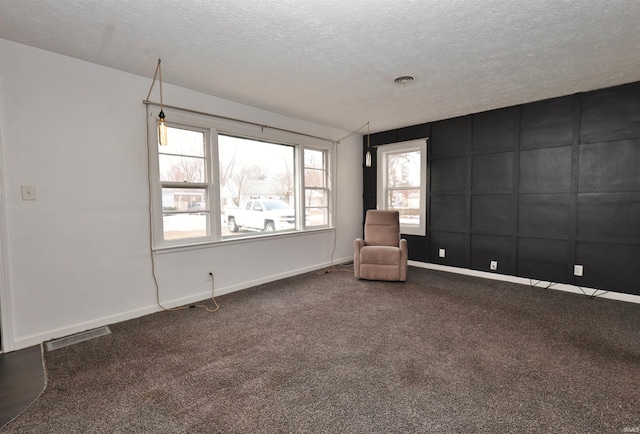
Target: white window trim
328	172
212	127
156	200
408	146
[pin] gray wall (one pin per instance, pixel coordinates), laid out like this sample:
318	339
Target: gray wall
537	187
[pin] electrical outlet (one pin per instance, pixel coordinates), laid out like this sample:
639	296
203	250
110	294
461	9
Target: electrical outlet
578	270
441	253
494	265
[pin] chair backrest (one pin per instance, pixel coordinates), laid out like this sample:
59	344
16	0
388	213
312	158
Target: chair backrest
382	228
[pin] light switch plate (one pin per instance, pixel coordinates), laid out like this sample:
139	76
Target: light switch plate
28	192
441	253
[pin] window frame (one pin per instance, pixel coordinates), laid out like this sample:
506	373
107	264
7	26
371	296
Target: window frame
212	127
383	152
304	188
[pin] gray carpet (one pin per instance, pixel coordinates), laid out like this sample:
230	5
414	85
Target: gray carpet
441	353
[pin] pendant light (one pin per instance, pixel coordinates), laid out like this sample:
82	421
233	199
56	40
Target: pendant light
162	124
367	157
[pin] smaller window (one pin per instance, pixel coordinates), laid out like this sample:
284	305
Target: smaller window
316	188
402	176
184	185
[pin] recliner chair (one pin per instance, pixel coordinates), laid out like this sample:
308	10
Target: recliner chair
382	254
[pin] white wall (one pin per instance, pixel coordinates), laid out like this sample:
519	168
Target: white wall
78	256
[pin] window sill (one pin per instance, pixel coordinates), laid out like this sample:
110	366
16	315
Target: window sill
258	237
412	231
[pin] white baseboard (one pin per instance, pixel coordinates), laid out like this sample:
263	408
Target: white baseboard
252	283
600	293
39	338
61	332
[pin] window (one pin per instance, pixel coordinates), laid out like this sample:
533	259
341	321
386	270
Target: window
214	183
316	188
184	183
257	185
402	179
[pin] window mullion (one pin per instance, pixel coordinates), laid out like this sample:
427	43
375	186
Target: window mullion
300	188
213	170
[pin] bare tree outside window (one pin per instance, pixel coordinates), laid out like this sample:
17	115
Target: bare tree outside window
255	169
182	167
316	191
185	169
273	182
241	178
227	160
401	182
285	179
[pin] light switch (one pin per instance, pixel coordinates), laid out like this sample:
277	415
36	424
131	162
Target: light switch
28	192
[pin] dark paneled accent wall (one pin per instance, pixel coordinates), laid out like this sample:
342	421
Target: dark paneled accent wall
538	188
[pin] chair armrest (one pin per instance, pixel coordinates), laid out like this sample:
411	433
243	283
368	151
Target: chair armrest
404	256
358	244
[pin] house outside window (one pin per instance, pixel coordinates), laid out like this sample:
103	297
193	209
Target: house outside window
213	183
184	175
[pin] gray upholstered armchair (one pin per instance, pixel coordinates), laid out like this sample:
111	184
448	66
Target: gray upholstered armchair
382	255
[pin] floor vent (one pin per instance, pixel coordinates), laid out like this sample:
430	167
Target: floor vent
78	337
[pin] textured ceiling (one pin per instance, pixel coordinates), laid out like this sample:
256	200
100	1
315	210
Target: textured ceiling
334	61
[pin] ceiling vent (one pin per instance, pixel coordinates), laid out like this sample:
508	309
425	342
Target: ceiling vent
404	79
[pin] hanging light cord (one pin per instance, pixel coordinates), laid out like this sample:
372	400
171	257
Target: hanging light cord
352	133
159	68
155	75
332	267
149	186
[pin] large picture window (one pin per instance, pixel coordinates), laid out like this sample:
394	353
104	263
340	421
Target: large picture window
213	184
402	179
257	185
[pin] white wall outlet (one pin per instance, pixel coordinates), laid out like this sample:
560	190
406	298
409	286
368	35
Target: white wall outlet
494	265
578	270
28	192
441	253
